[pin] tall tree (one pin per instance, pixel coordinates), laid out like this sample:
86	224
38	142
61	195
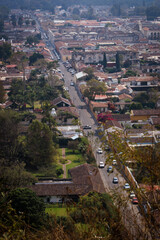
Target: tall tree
104	60
25	202
40	145
2	93
20	21
8	134
118	65
94	87
14	20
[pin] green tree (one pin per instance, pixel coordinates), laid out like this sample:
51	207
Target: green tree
33	22
8	134
130	73
152	12
104	60
27	204
90	73
27	22
118	65
13	175
94	87
76	11
2	93
136	106
33	58
106	217
40	147
20	21
18	93
5	51
1	25
14	20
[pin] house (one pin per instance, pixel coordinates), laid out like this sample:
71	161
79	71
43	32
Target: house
145	114
84	179
121	118
142	82
112	126
61	102
98	107
66	115
70	132
80	75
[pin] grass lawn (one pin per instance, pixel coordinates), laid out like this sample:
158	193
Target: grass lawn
36	105
56	210
75	157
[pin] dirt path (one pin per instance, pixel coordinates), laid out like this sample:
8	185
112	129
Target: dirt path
64	165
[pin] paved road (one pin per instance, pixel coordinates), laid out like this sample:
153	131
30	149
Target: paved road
131	216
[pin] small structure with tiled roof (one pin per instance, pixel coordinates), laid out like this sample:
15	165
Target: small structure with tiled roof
61	102
85	178
144	114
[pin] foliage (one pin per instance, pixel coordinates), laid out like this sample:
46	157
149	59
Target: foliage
136	106
152	12
90	73
20	20
148	99
11	225
118	64
5	51
106	217
13	175
2	93
59	171
32	39
40	147
8	134
130	73
104	60
104	117
94	87
73	145
116	10
33	58
28	205
127	63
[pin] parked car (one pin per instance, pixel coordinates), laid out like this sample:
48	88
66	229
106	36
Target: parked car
87	127
101	165
134	200
110	169
126	186
115	180
114	162
132	194
72	84
99	151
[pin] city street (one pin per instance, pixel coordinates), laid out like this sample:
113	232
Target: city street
131	215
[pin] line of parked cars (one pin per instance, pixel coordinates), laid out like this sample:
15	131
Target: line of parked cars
69	68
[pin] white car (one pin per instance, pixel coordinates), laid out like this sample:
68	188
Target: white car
99	151
115	180
110	169
132	195
101	165
72	84
127	186
114	162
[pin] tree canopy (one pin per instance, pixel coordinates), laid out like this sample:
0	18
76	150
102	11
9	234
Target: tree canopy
94	87
40	147
27	204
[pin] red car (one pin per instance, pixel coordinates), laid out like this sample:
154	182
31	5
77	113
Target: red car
134	200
